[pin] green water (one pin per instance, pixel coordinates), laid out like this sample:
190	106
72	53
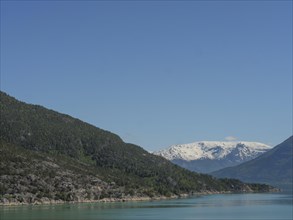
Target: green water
232	206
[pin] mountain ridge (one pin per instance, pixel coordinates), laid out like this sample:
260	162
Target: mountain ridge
273	167
206	156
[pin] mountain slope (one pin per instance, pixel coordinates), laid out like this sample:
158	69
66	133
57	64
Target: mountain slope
46	151
208	156
273	167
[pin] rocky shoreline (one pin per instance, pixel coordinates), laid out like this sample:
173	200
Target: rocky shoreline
4	202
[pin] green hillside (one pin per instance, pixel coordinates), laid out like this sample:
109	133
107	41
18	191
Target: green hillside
48	156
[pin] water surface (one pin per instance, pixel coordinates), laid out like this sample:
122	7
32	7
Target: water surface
211	207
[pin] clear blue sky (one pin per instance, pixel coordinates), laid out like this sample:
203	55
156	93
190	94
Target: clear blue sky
155	73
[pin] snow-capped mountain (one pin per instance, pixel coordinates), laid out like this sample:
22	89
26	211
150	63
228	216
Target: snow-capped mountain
273	167
208	156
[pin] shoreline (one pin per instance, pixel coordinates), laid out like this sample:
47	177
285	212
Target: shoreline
127	199
105	200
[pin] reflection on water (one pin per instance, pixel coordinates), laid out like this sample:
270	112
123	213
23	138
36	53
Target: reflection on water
230	206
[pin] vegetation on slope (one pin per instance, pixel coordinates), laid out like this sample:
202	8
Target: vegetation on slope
52	156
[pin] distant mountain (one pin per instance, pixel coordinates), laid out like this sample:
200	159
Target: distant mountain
273	167
208	156
50	157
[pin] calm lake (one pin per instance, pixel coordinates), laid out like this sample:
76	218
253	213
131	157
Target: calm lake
229	206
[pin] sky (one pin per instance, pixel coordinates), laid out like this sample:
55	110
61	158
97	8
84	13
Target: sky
156	73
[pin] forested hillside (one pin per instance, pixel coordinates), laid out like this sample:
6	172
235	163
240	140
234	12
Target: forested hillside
48	156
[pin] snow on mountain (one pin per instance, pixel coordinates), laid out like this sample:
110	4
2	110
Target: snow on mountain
208	156
213	150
